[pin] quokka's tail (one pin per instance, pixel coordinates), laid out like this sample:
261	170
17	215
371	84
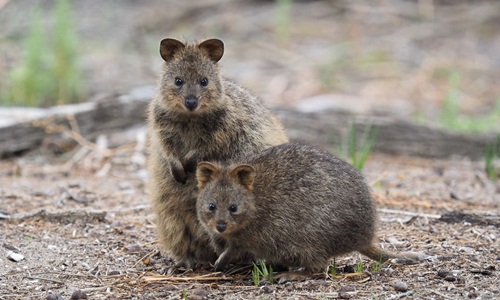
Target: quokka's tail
378	254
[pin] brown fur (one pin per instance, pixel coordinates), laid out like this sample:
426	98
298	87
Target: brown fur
293	205
226	122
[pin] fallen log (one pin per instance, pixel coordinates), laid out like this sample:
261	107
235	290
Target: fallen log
395	136
27	128
323	127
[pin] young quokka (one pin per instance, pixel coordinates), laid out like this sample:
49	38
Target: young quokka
292	205
197	115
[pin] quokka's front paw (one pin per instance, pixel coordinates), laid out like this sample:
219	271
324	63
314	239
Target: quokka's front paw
180	177
223	260
178	172
190	162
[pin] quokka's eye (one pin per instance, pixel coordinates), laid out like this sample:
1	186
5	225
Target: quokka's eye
233	208
204	82
178	81
211	207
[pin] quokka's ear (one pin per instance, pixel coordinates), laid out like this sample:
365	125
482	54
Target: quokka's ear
214	48
244	175
169	47
206	172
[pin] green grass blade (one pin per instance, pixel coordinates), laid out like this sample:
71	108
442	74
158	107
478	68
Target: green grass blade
352	142
367	144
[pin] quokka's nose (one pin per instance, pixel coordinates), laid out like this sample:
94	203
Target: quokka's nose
191	102
221	226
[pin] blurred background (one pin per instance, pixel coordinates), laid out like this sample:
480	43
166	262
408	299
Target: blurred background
431	61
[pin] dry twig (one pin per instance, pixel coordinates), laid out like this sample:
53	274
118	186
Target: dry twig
205	277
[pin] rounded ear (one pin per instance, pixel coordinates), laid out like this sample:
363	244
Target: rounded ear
206	172
244	175
169	47
214	48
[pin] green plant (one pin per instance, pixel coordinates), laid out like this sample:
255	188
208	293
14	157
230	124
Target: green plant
27	82
260	272
49	73
332	270
492	153
358	153
66	69
284	9
332	73
376	266
450	110
450	116
359	267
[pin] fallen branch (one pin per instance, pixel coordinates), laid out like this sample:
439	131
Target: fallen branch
325	127
82	123
45	279
206	277
408	213
64	217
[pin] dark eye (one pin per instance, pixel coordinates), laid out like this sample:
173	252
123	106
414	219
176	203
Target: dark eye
211	207
233	208
204	82
178	81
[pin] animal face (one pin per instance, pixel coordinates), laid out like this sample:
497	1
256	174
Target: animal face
225	203
191	82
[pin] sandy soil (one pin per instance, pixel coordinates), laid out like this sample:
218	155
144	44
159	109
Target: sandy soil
52	215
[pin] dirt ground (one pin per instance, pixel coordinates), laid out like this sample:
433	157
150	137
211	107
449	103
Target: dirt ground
82	222
52	214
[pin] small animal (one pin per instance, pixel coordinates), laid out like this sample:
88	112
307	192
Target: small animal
197	115
293	205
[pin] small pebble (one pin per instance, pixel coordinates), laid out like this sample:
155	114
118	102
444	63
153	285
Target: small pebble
133	248
473	295
423	256
169	288
201	292
54	297
266	289
14	256
114	272
450	278
344	295
4	214
78	294
443	273
401	286
347	288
